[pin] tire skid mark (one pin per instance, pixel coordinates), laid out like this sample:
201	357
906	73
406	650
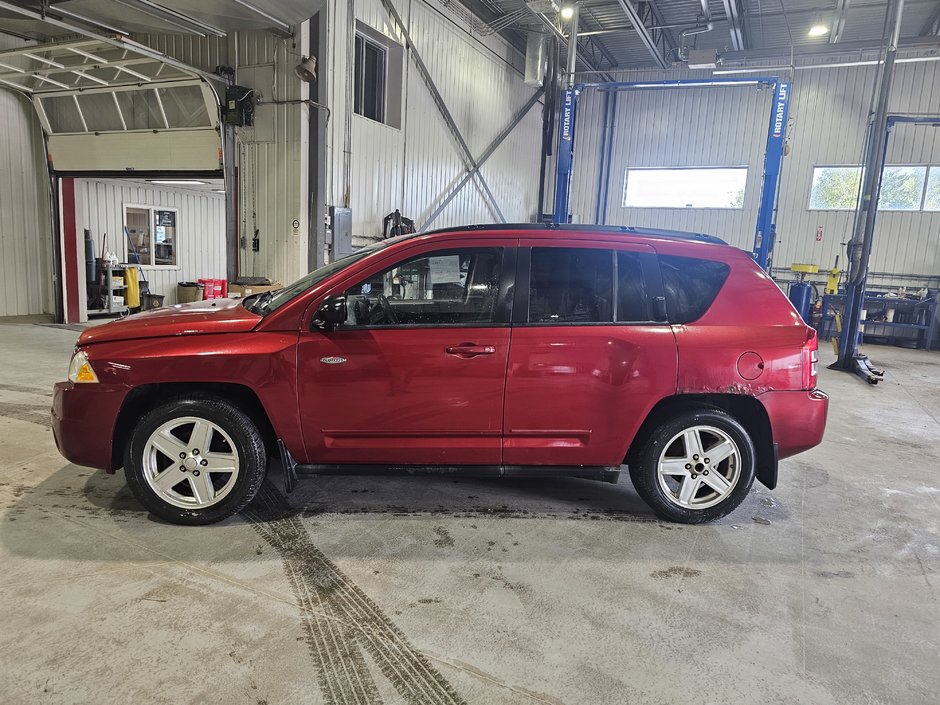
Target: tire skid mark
342	624
377	643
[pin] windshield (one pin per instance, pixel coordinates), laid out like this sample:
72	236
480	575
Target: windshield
271	301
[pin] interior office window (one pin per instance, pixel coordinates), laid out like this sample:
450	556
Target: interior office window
632	301
369	98
454	287
685	187
571	285
377	76
932	191
151	235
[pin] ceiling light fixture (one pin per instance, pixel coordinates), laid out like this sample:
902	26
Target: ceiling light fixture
567	12
818	30
177	182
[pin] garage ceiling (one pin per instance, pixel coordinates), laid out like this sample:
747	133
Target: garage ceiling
204	17
629	34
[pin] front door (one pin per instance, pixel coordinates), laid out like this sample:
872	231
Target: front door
416	375
587	361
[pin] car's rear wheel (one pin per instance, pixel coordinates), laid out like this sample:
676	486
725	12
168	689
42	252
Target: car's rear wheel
694	467
195	460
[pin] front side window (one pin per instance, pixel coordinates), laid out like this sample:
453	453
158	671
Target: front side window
453	287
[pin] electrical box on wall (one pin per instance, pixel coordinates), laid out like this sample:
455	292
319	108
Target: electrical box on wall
341	226
239	106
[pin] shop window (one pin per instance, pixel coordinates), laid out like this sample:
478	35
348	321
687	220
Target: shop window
685	187
836	188
151	235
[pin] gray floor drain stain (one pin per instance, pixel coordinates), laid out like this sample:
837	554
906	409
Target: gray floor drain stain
342	624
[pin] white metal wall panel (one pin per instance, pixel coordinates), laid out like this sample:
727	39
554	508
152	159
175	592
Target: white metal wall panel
25	218
272	171
415	167
728	126
99	206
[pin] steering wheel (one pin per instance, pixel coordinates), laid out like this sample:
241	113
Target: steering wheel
388	313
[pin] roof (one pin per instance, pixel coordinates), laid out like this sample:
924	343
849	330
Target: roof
569	228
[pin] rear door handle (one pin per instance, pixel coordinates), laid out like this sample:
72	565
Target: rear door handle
470	350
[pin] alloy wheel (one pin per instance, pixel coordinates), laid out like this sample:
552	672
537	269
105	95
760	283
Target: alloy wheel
190	462
699	467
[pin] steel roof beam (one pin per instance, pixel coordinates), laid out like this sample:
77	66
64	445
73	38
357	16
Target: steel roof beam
734	12
932	25
119	42
652	39
838	20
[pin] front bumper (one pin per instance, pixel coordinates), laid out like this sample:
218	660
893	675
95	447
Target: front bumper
83	421
797	419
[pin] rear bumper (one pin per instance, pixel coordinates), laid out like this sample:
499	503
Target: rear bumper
83	419
797	419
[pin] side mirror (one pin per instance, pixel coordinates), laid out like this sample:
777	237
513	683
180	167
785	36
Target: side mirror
332	312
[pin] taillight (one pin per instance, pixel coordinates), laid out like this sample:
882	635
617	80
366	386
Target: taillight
810	356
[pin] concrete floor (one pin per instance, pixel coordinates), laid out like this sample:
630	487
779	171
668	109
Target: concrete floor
437	591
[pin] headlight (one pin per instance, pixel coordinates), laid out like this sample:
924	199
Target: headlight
80	369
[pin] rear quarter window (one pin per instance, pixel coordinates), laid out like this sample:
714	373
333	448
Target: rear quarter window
690	285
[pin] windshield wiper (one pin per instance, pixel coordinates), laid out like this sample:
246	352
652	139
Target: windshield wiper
259	302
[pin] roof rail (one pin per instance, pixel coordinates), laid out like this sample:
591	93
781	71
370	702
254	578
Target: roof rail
615	229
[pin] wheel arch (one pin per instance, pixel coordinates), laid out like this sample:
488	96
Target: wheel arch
746	410
146	396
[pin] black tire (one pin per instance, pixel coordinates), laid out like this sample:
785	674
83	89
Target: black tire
248	445
644	465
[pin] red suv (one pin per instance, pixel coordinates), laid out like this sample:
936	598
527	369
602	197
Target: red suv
486	350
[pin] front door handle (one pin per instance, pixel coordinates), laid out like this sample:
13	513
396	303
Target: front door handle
470	350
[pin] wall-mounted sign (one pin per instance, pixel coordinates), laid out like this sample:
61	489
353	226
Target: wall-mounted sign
819	233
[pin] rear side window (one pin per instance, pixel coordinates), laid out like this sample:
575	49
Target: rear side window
691	285
575	285
570	285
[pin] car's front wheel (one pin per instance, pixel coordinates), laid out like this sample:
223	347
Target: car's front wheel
695	467
195	460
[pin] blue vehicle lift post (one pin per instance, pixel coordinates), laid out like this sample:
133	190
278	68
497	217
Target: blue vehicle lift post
765	230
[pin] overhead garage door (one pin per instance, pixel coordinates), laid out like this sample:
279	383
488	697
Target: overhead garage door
106	108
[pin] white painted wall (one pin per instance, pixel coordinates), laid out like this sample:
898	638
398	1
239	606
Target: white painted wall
99	206
25	216
728	126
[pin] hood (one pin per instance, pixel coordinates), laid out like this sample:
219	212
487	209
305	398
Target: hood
200	317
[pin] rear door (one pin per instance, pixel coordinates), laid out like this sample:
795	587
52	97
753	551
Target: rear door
416	375
587	362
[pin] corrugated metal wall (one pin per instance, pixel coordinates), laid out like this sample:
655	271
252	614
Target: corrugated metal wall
728	126
272	156
415	167
99	206
412	168
25	221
